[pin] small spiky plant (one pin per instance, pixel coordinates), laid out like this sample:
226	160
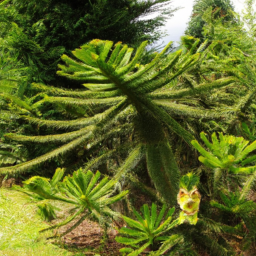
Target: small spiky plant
39	189
230	176
230	159
88	196
147	230
241	210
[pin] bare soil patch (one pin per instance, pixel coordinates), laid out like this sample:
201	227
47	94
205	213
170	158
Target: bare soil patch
90	237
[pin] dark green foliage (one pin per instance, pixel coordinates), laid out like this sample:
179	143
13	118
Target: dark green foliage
12	154
249	131
41	31
13	82
73	23
236	204
239	213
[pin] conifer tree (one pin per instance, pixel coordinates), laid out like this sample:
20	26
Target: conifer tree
123	100
220	9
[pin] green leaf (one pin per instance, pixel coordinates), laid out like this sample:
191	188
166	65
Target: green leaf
126	250
131	232
129	241
248	150
133	224
140	250
133	62
115	53
116	198
146	214
58	175
105	51
162	226
168	244
160	216
153	215
93	181
97	188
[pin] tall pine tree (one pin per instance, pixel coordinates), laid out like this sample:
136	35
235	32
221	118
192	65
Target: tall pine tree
220	8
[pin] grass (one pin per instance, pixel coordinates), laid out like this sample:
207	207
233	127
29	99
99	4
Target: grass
19	228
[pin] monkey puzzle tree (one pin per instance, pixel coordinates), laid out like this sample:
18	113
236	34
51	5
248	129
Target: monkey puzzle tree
124	100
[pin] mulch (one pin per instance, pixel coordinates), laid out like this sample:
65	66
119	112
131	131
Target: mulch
90	236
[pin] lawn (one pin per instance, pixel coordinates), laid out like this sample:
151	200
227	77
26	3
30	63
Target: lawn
20	226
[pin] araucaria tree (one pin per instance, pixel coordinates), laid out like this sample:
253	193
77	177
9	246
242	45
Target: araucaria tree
133	105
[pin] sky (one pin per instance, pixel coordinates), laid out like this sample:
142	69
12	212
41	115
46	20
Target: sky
176	26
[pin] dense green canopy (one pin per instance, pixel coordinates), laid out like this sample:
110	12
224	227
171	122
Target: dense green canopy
43	30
